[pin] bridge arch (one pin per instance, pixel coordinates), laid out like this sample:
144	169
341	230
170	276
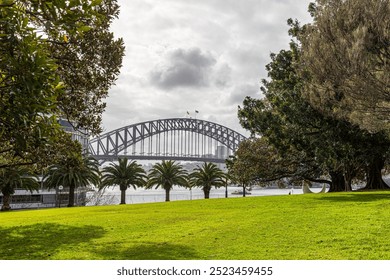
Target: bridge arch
174	138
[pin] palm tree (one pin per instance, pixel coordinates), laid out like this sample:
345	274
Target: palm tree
206	177
73	171
124	175
12	178
166	175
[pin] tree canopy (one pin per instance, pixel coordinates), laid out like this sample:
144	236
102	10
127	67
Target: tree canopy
13	178
166	175
125	174
207	176
73	171
58	60
315	144
346	61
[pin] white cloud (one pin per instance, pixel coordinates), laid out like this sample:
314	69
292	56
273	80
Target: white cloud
204	55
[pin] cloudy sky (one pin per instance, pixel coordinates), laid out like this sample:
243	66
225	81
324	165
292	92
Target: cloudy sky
203	55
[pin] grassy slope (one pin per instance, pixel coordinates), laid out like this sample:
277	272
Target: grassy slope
326	226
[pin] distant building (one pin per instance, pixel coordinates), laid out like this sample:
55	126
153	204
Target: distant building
222	152
80	135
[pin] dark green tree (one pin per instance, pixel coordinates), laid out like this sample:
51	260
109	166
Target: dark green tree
58	60
73	171
258	162
346	61
13	178
316	145
166	175
28	88
125	174
207	176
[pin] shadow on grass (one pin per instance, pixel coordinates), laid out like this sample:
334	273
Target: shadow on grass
150	251
356	196
42	241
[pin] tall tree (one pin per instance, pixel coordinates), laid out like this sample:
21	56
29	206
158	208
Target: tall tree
28	86
207	176
345	63
316	145
73	171
13	178
256	161
125	174
166	175
302	139
58	59
346	60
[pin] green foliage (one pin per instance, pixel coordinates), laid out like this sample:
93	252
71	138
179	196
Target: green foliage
28	86
297	142
301	142
206	177
124	174
258	162
338	226
345	61
243	167
73	171
13	178
166	175
58	59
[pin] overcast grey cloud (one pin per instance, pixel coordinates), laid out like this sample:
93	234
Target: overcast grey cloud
184	68
203	55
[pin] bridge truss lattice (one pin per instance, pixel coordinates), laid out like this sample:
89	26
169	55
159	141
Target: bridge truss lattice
183	139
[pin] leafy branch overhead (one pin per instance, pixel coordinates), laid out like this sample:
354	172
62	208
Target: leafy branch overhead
58	60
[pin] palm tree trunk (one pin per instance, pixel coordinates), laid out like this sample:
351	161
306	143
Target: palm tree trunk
206	193
6	199
71	196
123	196
167	191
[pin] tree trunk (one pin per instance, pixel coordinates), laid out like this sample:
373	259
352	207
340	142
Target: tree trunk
6	206
243	191
348	180
206	193
374	175
338	182
167	191
348	183
71	196
123	195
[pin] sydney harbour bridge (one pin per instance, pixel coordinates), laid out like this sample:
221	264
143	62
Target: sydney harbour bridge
182	139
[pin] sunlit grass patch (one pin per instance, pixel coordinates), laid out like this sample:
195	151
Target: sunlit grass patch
318	226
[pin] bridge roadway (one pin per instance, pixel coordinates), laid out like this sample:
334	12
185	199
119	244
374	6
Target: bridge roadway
160	157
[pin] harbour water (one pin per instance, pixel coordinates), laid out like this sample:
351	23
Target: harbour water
112	196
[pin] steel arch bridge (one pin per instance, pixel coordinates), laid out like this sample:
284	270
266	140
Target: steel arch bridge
183	139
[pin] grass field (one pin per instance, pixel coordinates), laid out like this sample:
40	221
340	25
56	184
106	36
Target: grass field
298	227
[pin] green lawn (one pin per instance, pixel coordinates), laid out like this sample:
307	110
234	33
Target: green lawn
318	226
